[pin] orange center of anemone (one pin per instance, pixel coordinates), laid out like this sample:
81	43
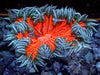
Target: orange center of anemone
46	33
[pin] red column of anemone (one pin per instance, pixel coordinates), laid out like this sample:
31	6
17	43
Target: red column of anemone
46	33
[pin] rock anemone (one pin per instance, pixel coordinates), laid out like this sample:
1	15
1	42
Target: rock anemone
40	33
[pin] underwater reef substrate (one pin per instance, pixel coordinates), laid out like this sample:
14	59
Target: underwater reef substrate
46	40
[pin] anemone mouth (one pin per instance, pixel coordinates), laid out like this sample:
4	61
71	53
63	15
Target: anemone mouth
46	33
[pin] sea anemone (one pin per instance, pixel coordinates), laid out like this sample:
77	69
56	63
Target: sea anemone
39	34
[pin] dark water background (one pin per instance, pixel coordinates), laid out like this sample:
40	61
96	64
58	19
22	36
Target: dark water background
89	7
